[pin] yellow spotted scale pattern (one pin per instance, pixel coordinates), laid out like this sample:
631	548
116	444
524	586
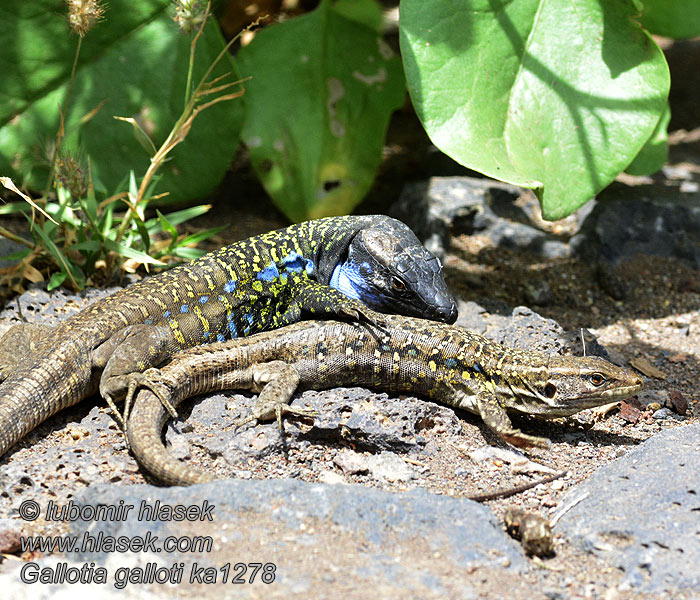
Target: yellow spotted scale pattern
400	354
257	284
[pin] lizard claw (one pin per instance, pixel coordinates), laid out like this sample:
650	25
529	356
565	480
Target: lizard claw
152	380
149	379
275	411
115	411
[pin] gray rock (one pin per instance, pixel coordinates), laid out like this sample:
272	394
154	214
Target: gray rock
526	329
641	513
446	206
389	467
655	220
367	536
351	462
37	305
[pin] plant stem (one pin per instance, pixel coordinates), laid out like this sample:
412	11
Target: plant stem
61	132
15	238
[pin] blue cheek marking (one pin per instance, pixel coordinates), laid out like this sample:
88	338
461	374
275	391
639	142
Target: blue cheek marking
184	308
230	286
347	280
269	273
204	299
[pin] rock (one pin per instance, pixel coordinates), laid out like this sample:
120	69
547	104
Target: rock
654	220
640	513
526	329
389	467
373	539
351	462
446	206
678	402
10	534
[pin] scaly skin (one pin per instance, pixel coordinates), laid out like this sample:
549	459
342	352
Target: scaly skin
258	284
442	362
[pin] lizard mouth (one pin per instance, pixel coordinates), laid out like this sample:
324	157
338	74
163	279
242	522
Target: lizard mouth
554	409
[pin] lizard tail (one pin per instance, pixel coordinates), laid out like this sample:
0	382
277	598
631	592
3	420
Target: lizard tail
143	432
40	390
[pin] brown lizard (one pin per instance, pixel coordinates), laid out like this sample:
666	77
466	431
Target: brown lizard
442	362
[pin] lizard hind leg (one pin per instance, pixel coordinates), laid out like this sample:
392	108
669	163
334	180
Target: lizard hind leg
276	382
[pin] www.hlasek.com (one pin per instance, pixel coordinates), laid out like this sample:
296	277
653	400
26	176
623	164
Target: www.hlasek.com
151	572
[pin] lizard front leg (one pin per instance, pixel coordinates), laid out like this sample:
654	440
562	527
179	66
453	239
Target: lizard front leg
496	419
276	382
125	356
314	300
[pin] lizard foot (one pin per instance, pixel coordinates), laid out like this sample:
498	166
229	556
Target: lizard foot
519	439
153	380
150	379
275	410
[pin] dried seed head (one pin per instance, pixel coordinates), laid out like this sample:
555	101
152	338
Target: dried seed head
70	174
83	15
189	14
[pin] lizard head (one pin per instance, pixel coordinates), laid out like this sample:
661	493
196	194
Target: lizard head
570	384
389	270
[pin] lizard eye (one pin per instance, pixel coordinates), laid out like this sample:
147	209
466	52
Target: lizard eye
550	390
398	284
597	379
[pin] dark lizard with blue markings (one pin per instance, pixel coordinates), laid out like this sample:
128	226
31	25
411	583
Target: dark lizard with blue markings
333	268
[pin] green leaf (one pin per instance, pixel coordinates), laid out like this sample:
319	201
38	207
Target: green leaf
200	236
673	18
140	135
367	12
89	204
123	250
557	96
132	64
654	154
87	246
67	267
188	253
19	255
180	216
318	106
56	279
14	208
167	228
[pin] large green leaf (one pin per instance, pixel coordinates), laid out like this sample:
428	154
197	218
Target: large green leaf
135	63
317	108
674	18
558	96
654	154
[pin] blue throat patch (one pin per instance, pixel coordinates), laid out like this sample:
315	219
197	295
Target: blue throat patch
348	280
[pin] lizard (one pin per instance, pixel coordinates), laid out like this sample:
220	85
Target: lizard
332	267
439	361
